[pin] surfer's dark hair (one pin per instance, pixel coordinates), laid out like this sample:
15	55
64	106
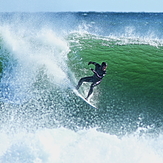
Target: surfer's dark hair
104	64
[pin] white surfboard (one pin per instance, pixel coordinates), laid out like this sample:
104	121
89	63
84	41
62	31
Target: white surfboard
87	101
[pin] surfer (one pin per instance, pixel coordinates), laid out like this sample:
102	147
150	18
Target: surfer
99	73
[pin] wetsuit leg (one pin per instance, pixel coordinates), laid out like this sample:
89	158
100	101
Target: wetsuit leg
85	79
91	88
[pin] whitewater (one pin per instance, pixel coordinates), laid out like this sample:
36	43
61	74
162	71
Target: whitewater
42	57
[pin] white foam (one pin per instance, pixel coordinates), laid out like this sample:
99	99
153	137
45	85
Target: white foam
65	146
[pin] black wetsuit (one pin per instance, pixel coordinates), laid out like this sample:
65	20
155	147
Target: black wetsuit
96	79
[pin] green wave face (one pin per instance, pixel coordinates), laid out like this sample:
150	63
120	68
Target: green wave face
134	73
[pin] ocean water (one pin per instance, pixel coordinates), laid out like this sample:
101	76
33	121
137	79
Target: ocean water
42	57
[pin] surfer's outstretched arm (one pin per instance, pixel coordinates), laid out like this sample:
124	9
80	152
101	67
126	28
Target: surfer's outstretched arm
94	63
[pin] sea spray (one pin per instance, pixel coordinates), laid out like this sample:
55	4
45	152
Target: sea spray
31	54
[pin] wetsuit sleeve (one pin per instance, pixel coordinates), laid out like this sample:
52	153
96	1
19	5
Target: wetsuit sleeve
94	63
104	73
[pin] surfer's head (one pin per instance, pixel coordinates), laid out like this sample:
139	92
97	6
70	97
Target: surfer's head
104	66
